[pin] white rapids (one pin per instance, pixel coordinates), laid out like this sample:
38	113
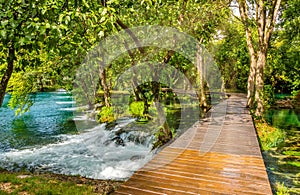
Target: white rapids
87	154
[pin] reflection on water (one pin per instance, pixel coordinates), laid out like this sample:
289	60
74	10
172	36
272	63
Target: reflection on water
284	118
284	162
38	127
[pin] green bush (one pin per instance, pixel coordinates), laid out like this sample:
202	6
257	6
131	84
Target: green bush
137	109
163	136
106	115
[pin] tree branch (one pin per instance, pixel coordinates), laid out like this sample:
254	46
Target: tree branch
132	35
273	17
261	22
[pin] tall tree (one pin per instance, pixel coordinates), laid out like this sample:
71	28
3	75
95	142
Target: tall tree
262	14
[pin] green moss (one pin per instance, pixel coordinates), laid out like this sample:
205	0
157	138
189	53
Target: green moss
163	136
269	137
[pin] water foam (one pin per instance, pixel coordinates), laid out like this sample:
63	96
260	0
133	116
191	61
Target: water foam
87	154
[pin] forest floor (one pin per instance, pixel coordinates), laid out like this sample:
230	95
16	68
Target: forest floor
25	183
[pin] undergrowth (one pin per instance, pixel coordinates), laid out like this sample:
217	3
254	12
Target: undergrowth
269	137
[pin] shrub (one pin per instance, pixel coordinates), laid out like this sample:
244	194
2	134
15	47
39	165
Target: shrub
106	115
137	109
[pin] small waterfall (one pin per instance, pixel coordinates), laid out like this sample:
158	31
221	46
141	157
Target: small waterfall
93	153
54	137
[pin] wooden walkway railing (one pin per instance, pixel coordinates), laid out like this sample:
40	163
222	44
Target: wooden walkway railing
218	155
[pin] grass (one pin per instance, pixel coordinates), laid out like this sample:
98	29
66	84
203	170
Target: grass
26	183
293	163
12	184
291	153
281	189
269	137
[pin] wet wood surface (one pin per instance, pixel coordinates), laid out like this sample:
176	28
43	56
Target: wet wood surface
217	155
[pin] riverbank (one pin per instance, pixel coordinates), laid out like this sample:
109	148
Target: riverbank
48	183
280	149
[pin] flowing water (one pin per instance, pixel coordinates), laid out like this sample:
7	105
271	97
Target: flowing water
284	163
54	137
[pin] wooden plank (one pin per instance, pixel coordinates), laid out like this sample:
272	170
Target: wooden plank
195	185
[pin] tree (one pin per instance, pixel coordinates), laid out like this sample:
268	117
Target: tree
198	18
262	14
46	39
231	55
290	37
24	26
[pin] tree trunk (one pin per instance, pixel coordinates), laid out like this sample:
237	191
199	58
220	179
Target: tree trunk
105	87
165	133
251	81
201	93
259	82
243	8
8	72
265	17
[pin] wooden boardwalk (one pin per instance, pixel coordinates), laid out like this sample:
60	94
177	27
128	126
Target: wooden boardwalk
218	155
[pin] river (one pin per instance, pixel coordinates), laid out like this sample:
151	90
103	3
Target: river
283	162
55	137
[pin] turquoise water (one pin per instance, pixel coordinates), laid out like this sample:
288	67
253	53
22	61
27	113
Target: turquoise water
283	163
284	118
48	118
55	137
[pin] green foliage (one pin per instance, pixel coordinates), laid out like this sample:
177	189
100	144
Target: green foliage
59	34
269	96
173	131
291	20
106	115
269	137
291	153
232	57
51	38
296	93
137	108
163	136
296	100
21	86
282	70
